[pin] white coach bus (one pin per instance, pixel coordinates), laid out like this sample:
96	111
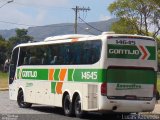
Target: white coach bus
108	72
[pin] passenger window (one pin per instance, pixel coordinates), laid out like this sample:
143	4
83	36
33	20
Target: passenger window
83	52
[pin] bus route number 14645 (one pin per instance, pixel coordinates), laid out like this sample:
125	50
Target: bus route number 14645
125	42
89	75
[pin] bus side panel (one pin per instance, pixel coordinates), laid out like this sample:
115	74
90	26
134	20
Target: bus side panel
30	93
13	91
87	92
43	93
90	97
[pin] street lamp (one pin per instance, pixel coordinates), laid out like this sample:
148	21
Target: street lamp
6	3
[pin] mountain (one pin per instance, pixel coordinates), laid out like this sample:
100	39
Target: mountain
41	32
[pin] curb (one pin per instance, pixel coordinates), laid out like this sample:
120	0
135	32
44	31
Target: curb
4	89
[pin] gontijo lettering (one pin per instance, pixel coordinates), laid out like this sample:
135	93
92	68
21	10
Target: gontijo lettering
32	74
131	52
123	51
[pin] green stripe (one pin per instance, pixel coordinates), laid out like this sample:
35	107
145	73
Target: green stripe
131	76
35	74
70	73
152	51
18	70
53	85
129	51
56	74
94	75
123	51
87	75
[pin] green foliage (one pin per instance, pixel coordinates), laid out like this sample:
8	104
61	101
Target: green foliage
3	49
139	14
157	2
123	26
1	38
7	46
21	32
136	17
21	37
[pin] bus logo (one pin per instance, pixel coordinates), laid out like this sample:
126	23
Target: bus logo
28	74
131	52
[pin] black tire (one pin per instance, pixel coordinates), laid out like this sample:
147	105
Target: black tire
67	106
20	101
77	107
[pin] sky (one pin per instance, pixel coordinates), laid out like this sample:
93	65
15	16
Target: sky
46	12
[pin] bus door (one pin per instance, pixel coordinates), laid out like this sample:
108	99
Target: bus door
12	71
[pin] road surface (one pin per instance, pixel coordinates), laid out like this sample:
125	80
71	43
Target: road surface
9	110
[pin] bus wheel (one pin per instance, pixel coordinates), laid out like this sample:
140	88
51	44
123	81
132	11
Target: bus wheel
67	106
20	101
77	107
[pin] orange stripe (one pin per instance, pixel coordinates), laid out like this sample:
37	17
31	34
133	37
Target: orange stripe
74	40
59	87
60	84
51	71
62	74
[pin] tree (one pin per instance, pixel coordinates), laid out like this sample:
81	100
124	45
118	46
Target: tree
3	50
1	38
157	2
21	37
123	26
140	14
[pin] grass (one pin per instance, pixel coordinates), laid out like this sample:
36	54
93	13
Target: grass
3	80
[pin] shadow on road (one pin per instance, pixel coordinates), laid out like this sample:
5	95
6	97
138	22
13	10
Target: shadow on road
57	113
88	115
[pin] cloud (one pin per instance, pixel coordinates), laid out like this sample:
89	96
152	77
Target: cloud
104	17
27	12
16	16
48	3
39	12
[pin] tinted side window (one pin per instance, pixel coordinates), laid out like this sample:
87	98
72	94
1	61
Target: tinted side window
85	52
33	55
76	53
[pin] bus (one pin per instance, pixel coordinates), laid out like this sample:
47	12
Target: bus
104	73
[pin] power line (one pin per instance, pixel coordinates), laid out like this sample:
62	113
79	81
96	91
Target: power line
90	25
3	0
41	7
6	3
22	24
86	30
77	9
17	23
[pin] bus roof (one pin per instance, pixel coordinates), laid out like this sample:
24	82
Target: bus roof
69	37
63	37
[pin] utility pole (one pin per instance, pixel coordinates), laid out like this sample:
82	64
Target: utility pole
6	3
77	9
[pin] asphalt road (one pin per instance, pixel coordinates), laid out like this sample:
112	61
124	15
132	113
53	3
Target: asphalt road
9	110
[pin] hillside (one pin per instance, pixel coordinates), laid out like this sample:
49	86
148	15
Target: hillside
41	32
